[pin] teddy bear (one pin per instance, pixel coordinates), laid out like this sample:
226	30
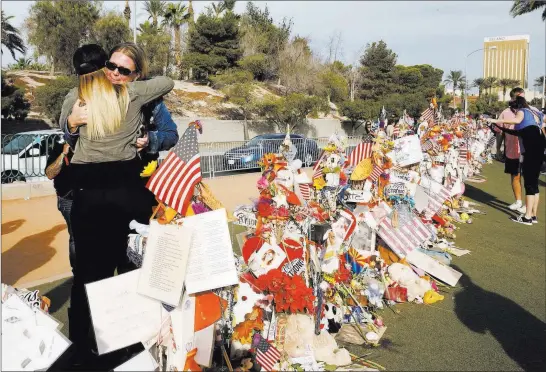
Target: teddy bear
406	278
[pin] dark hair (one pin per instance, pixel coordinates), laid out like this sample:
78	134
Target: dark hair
518	103
516	90
89	58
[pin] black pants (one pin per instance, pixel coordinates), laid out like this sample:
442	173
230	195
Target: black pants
100	224
64	205
533	143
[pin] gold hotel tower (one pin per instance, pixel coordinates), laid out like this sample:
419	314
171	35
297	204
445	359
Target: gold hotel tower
508	59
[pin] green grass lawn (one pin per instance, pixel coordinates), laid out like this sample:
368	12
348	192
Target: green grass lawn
493	320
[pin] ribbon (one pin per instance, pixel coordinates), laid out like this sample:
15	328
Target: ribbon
191	364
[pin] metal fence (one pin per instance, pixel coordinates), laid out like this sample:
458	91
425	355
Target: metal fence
24	156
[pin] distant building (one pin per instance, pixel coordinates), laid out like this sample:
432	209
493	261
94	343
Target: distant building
507	57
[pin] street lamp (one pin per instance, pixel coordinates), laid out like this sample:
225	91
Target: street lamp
466	75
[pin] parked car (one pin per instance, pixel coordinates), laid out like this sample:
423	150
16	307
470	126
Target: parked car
24	155
248	155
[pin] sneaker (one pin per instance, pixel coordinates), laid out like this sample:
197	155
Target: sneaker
517	205
534	219
522	210
521	219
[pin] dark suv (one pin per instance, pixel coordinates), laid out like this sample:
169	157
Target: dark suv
248	155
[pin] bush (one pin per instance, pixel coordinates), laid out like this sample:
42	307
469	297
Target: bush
292	109
49	98
256	64
231	77
14	103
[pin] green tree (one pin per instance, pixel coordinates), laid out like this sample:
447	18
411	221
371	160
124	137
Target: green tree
454	78
49	98
174	17
156	43
359	110
378	62
231	77
155	9
213	44
110	30
14	103
241	95
333	85
505	84
11	38
478	83
291	110
57	28
487	104
490	83
521	7
256	64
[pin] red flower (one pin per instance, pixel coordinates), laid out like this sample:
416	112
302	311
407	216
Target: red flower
264	209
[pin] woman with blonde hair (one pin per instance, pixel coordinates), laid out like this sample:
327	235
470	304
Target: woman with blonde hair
106	181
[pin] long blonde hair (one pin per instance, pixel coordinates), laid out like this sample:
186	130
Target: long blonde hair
107	103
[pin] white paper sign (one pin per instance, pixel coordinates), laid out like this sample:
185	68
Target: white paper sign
407	151
423	261
121	316
211	262
245	217
164	266
142	362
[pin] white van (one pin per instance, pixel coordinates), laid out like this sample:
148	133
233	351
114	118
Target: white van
24	154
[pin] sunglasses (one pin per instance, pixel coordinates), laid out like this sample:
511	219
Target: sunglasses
122	70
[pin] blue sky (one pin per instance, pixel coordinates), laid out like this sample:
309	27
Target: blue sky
440	33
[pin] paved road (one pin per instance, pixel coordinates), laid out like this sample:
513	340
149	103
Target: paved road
494	320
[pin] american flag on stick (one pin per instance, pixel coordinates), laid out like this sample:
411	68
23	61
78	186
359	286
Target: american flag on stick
175	179
362	151
266	354
427	114
428	145
317	170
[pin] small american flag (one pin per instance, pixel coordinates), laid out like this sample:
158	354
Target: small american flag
428	145
362	151
427	114
376	172
174	181
317	170
406	238
436	200
305	189
463	156
266	354
396	131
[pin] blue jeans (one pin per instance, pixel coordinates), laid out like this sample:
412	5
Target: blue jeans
64	206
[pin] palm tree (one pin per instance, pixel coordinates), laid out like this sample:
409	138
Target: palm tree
478	83
455	78
11	38
507	83
521	7
462	87
539	82
174	17
155	9
22	63
490	83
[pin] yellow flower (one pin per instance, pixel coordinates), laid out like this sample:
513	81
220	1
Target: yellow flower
319	183
149	169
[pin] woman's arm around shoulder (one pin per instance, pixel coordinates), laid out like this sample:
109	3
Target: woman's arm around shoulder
147	90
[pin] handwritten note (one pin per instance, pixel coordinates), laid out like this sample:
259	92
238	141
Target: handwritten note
121	316
407	151
211	262
164	267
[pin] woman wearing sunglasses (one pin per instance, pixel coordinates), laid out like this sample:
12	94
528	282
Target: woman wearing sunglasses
106	181
127	62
